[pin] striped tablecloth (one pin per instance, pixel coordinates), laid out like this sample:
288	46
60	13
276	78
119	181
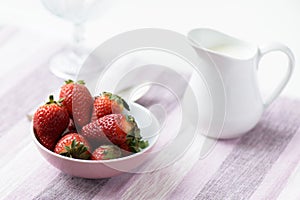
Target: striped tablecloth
260	165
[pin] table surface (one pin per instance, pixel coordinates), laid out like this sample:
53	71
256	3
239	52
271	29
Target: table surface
27	24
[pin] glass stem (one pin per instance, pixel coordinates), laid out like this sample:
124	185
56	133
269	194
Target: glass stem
78	37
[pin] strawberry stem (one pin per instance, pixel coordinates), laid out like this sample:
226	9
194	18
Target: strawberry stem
51	100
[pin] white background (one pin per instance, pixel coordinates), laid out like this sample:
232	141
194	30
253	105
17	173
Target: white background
256	21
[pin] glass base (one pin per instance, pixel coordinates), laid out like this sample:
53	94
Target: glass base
66	64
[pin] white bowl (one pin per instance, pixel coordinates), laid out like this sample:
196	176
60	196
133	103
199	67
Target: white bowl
106	168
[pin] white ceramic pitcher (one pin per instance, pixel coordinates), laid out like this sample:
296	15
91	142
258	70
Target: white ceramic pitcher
237	63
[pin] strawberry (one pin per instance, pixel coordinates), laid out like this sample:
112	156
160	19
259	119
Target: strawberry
73	145
106	152
108	103
120	129
78	101
49	122
94	134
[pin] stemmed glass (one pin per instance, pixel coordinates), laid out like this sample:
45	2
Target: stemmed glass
67	63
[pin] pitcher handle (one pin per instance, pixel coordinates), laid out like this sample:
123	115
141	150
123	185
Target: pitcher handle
267	48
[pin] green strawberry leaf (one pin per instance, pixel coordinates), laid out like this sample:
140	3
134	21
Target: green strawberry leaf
69	81
143	144
76	150
126	106
81	82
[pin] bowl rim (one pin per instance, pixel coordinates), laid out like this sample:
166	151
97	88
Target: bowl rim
92	161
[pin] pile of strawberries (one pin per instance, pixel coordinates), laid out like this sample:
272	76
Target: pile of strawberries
82	127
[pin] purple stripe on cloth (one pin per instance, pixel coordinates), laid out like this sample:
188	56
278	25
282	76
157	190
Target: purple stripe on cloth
277	178
36	182
25	94
245	168
68	187
19	130
115	187
203	170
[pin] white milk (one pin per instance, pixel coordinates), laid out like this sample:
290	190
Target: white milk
232	50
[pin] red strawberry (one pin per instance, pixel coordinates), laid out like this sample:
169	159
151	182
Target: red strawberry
108	103
94	134
78	101
106	152
73	145
49	122
120	129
